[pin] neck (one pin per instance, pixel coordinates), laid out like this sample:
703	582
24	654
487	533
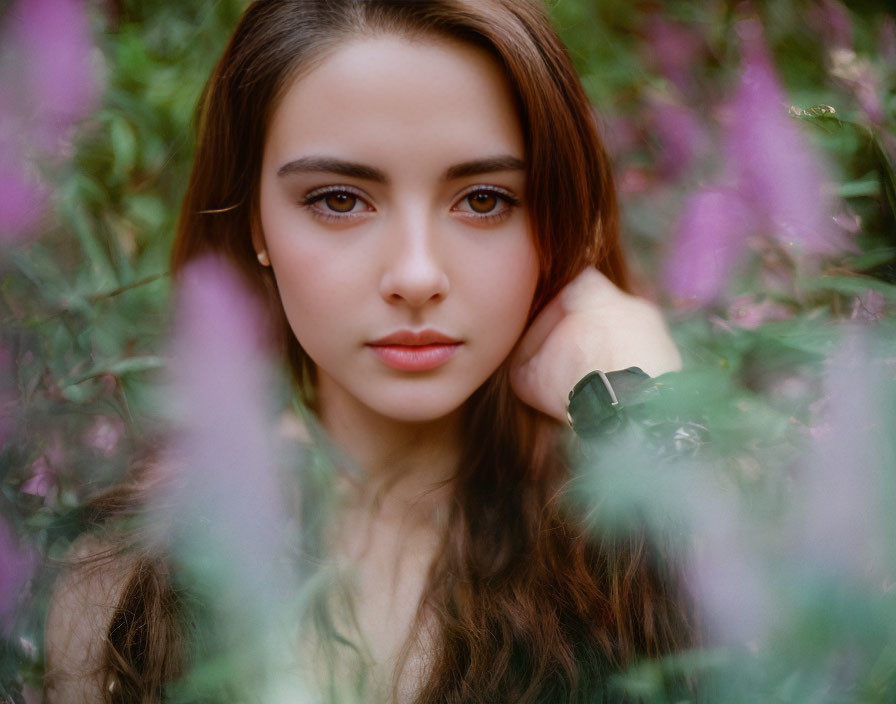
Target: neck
405	465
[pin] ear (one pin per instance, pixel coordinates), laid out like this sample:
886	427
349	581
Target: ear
258	241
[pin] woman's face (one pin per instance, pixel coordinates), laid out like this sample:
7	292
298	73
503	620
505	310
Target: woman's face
390	204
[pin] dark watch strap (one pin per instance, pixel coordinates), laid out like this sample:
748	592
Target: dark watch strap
594	403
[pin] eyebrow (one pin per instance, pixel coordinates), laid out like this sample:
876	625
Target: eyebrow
332	165
485	166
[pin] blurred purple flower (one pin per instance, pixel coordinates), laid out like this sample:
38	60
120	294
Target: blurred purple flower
104	434
869	306
778	174
17	566
710	239
679	133
49	83
726	575
830	21
676	49
747	312
43	478
886	40
848	220
842	478
42	481
860	77
56	63
227	499
621	136
24	196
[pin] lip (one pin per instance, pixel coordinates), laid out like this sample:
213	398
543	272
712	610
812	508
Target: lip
412	351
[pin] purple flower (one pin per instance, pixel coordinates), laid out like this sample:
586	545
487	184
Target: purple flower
778	174
104	434
24	196
869	306
710	239
749	313
49	83
886	40
676	49
56	62
42	481
17	565
727	576
225	504
843	478
861	78
831	22
679	134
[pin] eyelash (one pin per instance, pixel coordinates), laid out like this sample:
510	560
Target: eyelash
317	195
509	200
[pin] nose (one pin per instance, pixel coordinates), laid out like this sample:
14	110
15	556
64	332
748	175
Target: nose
414	273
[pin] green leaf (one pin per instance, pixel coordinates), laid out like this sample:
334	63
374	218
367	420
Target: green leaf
868	188
128	365
872	259
852	285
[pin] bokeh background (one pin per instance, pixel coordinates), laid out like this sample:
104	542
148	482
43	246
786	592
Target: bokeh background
754	149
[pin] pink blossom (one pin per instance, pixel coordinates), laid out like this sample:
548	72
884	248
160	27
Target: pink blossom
56	62
747	312
49	83
620	135
24	195
676	49
42	481
679	134
886	40
226	499
778	173
709	240
727	576
104	434
831	22
635	180
861	78
843	477
17	566
869	306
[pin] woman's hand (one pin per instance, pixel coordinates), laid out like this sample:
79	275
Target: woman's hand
591	324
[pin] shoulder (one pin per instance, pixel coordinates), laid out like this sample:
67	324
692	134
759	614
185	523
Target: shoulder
83	603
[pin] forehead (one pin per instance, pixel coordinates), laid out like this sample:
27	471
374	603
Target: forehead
406	97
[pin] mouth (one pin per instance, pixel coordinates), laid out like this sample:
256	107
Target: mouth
411	351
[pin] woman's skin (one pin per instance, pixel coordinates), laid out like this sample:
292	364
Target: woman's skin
391	204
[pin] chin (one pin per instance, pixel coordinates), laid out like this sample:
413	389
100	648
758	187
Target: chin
419	410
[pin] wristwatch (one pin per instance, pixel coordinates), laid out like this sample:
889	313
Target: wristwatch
594	403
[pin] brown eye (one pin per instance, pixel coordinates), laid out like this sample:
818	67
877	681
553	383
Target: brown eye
483	202
341	202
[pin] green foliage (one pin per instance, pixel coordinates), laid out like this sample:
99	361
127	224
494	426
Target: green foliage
84	307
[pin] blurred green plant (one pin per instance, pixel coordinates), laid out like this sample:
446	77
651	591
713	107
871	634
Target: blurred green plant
84	299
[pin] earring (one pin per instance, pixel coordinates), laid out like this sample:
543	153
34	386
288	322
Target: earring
263	258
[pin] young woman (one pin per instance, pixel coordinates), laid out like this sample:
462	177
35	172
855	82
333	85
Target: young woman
419	193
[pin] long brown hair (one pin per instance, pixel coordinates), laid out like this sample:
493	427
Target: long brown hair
528	606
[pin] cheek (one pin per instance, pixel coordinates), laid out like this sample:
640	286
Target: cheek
313	297
510	284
